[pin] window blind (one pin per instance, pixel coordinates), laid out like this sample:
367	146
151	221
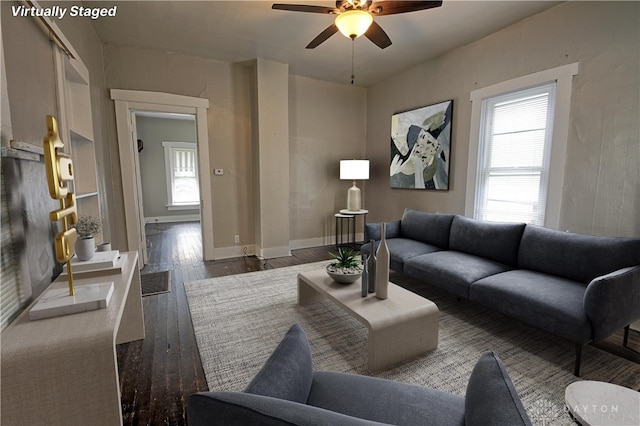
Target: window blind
181	166
514	155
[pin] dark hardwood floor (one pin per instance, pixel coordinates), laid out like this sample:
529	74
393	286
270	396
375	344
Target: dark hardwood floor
159	373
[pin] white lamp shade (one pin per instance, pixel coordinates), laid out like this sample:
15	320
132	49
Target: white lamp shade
354	169
354	23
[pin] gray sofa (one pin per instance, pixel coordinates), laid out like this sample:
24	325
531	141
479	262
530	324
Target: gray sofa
286	391
579	287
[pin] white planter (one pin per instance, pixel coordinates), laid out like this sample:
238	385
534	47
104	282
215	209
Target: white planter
85	248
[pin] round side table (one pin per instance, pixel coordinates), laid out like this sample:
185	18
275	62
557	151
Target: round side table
341	218
593	403
355	213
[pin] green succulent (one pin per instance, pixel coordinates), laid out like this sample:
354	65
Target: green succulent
345	258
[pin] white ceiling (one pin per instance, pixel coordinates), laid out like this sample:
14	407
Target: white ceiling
236	31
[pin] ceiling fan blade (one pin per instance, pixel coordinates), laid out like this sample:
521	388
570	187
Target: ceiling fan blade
323	36
376	34
381	8
305	8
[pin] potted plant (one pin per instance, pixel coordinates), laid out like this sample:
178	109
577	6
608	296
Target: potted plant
87	228
346	267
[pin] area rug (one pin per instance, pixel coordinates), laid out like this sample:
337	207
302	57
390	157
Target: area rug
155	283
239	319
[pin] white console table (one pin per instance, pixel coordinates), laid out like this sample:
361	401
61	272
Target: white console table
64	370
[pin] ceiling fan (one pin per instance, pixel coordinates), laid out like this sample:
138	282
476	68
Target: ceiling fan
355	17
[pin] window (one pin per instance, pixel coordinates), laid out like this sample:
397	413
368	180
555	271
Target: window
181	165
517	148
515	143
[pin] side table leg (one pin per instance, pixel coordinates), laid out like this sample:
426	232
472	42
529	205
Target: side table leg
337	233
353	233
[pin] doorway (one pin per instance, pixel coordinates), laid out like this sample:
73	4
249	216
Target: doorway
168	167
127	103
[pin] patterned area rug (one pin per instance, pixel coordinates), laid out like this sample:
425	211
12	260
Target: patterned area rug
155	283
239	319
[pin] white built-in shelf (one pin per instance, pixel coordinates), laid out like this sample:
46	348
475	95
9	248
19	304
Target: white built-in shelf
80	137
86	195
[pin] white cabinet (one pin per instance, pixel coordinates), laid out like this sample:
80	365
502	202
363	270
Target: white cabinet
64	370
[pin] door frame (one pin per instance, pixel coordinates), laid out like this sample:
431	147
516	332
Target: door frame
128	101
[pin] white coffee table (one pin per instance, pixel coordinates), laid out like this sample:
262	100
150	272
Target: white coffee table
594	403
401	327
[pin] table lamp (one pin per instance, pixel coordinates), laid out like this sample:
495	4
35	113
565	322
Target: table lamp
354	170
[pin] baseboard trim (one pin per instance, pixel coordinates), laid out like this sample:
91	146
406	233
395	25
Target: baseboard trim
329	240
272	252
234	251
220	253
170	219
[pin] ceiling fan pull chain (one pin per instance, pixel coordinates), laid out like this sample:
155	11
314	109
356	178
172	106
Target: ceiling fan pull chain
353	44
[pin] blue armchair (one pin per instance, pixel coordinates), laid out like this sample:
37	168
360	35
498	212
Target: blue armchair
286	391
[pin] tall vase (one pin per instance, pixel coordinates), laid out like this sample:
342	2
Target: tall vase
382	266
372	269
364	279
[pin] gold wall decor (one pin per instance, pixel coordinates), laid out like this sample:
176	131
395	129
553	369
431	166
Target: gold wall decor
59	169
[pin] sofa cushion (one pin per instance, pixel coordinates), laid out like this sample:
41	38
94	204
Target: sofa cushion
430	228
551	303
241	409
491	398
491	240
373	231
575	256
288	372
452	270
385	401
401	250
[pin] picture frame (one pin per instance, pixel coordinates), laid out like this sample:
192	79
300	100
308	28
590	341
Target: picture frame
421	147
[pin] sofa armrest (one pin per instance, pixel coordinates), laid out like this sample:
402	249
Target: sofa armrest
373	231
612	301
491	397
240	409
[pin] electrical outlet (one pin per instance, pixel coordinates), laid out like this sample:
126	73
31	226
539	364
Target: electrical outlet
237	239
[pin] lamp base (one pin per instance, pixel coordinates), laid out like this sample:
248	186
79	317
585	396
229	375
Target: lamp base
354	198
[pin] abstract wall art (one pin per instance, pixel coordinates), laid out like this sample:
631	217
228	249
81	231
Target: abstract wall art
421	147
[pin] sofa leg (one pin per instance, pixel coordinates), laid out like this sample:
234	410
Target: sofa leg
576	372
625	340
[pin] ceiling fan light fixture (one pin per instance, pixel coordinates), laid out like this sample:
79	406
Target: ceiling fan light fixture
354	23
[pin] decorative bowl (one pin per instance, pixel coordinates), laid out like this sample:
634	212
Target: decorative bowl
343	278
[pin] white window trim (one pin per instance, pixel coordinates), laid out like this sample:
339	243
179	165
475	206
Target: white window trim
563	76
167	164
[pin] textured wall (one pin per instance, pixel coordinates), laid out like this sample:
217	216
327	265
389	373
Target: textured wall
602	172
271	158
227	86
32	95
326	124
30	77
